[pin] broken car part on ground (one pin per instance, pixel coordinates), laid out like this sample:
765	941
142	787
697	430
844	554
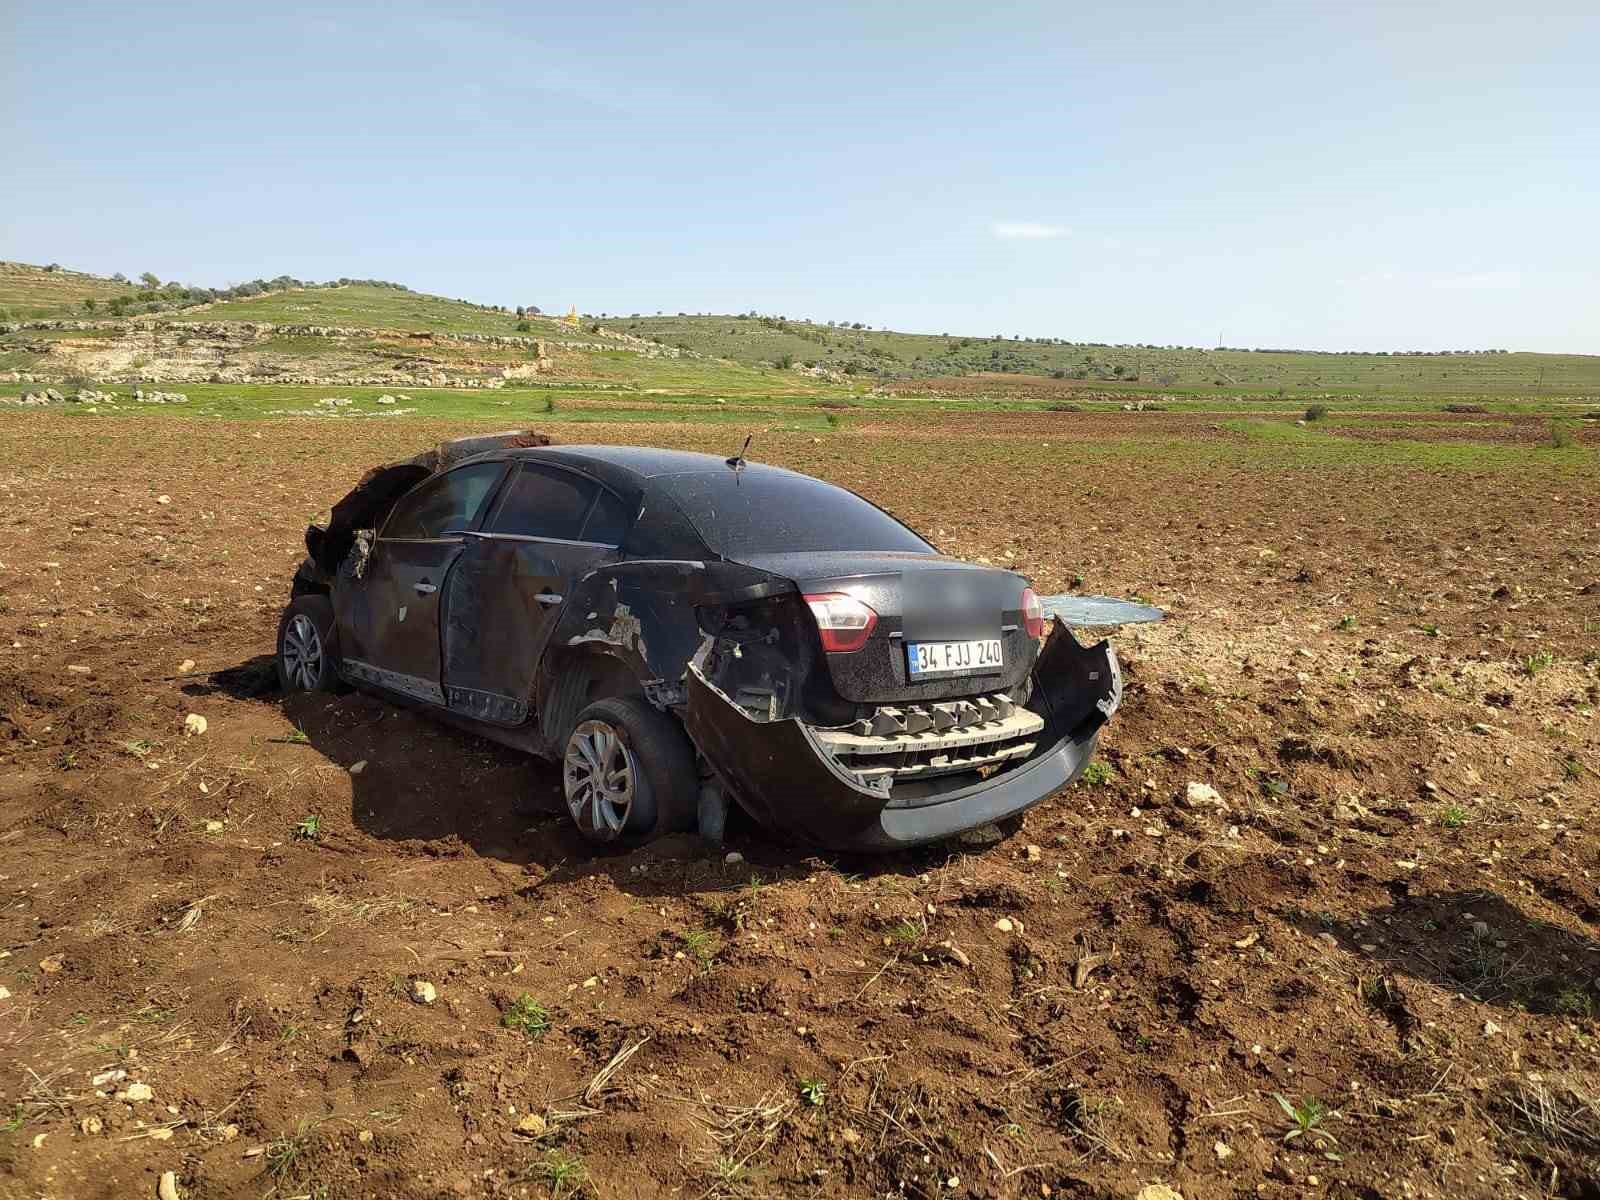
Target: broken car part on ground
681	630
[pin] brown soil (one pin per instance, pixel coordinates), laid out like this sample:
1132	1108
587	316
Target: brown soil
1394	914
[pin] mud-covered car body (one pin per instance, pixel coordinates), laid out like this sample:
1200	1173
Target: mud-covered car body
507	587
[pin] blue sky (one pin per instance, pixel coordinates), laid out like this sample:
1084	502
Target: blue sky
1384	176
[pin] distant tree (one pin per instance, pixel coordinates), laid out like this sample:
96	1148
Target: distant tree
785	361
524	327
88	303
150	279
119	277
521	312
53	267
534	310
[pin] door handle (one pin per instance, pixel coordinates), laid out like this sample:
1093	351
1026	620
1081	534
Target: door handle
548	598
425	589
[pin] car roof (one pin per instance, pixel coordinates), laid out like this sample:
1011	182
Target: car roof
645	462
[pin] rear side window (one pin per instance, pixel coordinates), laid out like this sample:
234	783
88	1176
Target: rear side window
608	521
440	505
542	502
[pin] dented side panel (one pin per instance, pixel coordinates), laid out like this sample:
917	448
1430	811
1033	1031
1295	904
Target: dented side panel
645	613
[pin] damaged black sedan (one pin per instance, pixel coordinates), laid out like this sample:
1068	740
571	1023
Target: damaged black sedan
681	631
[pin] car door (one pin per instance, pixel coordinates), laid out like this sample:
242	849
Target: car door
549	526
390	623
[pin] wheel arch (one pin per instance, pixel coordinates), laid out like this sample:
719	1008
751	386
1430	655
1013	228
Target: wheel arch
572	677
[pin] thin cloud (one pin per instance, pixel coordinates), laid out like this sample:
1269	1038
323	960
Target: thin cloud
1027	230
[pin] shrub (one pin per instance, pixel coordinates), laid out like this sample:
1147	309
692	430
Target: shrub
1316	412
524	327
1561	435
785	361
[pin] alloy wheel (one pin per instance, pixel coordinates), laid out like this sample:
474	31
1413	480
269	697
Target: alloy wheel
302	653
600	775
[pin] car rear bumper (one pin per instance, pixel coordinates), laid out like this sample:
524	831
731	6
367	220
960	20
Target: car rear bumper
783	773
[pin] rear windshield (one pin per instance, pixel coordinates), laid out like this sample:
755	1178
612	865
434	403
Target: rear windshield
770	512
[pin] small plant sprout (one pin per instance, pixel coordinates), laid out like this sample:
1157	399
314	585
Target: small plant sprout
700	945
1307	1117
1430	629
1536	662
1346	623
283	1155
297	737
309	827
1097	774
1575	1002
565	1173
813	1092
730	1171
1571	769
906	932
1453	817
527	1016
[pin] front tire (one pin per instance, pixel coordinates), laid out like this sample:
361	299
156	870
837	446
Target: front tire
628	773
307	648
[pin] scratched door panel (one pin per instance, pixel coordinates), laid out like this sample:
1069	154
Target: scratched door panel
399	646
503	599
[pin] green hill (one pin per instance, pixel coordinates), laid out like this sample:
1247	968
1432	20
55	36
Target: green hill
1141	368
743	354
29	292
361	306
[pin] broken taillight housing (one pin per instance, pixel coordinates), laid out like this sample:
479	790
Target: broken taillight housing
843	621
1032	614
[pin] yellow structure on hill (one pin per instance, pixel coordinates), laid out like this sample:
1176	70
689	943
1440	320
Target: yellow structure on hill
572	317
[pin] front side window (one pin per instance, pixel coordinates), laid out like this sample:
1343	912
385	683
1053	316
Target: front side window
443	504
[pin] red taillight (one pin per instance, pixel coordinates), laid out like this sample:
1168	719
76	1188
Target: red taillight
1032	614
843	621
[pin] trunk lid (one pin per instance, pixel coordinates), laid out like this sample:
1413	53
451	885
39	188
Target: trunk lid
919	598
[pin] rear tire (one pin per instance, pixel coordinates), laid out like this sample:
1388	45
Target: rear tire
308	652
628	773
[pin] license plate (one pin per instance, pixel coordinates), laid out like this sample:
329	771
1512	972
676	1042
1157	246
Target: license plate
953	658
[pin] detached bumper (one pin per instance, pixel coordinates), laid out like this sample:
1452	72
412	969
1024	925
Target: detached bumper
784	775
